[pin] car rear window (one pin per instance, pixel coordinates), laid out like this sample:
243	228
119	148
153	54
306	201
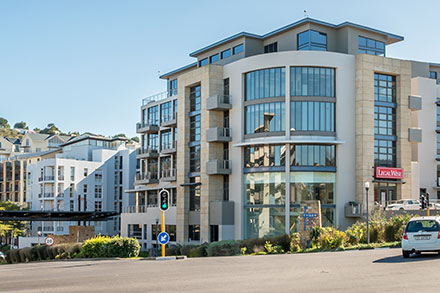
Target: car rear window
422	225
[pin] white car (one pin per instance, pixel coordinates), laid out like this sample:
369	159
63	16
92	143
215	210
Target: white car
421	234
404	204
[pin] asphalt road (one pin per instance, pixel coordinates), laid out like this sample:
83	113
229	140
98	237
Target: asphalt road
351	271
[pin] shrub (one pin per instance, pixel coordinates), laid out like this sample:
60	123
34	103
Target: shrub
295	242
146	254
43	252
12	256
25	254
253	245
356	233
330	238
104	246
282	240
186	249
194	252
224	248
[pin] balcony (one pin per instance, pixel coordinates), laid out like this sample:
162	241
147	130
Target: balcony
168	148
168	175
218	167
219	103
147	127
49	195
49	178
134	209
147	152
148	178
218	134
169	120
61	177
159	97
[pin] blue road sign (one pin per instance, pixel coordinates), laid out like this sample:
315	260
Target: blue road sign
163	238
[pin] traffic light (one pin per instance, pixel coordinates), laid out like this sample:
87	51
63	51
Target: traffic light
164	196
422	202
427	199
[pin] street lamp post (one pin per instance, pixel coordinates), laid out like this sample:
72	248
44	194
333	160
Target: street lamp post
367	186
39	235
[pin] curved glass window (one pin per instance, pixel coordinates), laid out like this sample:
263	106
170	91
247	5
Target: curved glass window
265	83
312	81
266	117
268	188
313	155
264	156
267	221
312	186
312	116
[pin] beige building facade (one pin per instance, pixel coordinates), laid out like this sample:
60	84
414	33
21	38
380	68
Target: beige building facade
265	123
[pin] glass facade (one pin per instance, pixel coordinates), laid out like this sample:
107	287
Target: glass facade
264	221
226	53
264	156
194	97
214	58
153	115
166	111
312	116
312	81
153	141
385	120
312	40
313	155
370	46
265	83
194	159
265	188
265	117
194	128
312	186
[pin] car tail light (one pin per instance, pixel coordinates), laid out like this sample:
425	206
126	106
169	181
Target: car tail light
438	237
404	236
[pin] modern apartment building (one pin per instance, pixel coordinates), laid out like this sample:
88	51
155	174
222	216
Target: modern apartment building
90	174
16	154
261	123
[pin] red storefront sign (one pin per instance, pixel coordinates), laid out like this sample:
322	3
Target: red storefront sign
388	173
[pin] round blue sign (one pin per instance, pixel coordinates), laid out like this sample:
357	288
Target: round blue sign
163	238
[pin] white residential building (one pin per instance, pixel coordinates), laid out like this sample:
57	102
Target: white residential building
91	174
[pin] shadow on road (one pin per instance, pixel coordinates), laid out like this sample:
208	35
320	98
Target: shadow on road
413	258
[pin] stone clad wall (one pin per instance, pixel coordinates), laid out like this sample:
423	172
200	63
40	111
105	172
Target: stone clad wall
76	234
366	66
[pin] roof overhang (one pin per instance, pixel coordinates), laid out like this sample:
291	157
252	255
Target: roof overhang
292	140
21	215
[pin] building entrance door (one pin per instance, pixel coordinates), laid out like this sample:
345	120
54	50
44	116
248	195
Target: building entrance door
384	194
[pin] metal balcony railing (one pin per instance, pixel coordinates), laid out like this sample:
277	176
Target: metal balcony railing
134	209
49	178
145	150
60	177
168	173
168	145
40	179
159	96
48	194
168	117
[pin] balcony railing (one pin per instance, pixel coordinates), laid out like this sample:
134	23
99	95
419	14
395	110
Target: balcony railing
49	178
168	146
168	173
48	194
40	179
148	176
145	150
155	98
170	117
218	102
60	177
134	209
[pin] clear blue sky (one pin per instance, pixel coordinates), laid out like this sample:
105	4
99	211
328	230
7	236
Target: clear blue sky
85	64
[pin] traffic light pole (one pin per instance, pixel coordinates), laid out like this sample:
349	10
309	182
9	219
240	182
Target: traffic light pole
163	230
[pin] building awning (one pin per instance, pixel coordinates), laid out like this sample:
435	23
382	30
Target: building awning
388	181
161	185
292	140
22	215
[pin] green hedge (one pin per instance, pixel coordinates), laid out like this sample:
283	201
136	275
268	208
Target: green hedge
43	252
104	246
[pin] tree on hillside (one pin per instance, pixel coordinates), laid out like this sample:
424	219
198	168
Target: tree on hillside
120	135
135	138
50	129
4	123
21	125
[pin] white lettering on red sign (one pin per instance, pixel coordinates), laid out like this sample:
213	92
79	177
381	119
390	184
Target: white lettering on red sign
389	173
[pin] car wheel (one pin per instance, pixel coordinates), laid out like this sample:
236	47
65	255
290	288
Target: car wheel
401	209
405	253
418	253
